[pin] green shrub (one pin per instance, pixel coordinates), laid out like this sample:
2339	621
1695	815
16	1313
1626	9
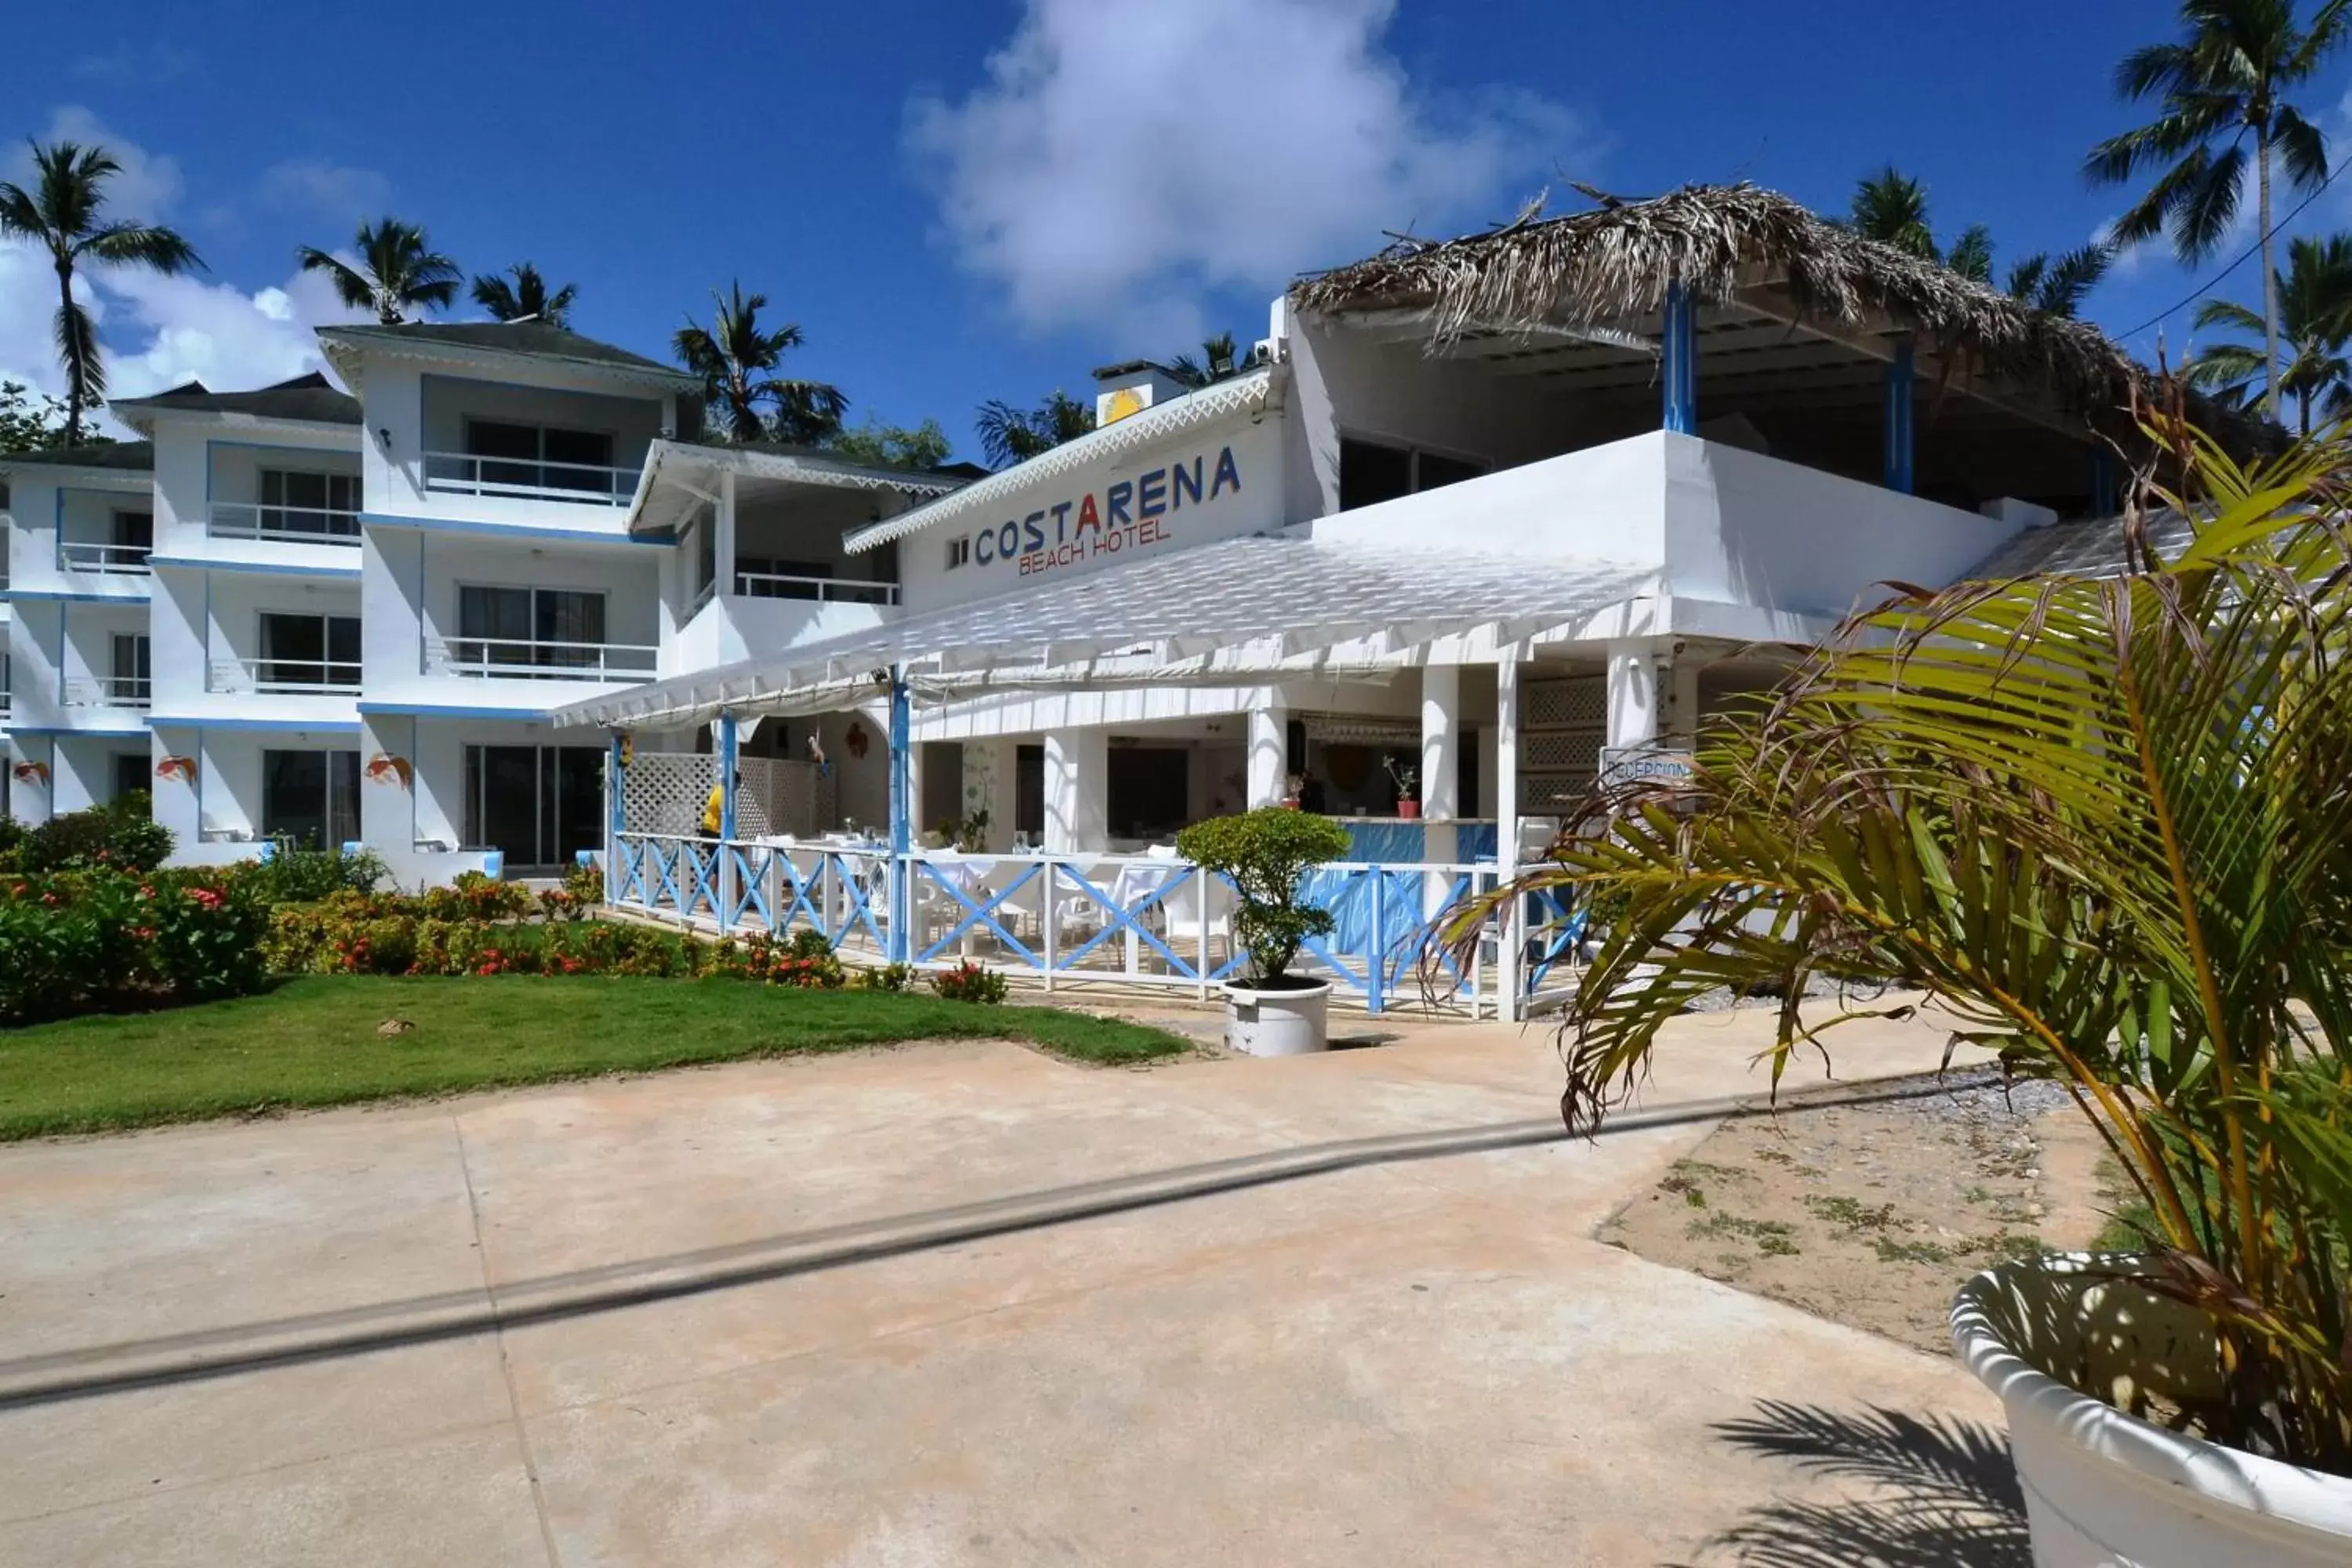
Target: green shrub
122	835
92	941
294	874
968	982
1266	852
586	884
889	977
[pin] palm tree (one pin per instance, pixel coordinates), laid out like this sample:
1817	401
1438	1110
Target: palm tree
1971	254
2056	287
398	271
1892	208
1219	361
2315	317
733	358
1010	435
526	298
60	214
2221	84
2100	820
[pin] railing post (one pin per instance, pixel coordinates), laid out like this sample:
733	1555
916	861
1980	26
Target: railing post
1200	905
1376	957
616	816
1045	902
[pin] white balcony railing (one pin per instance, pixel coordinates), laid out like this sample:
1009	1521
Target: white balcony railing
462	473
288	677
823	590
532	658
126	559
108	692
282	524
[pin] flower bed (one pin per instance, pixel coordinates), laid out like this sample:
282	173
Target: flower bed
81	942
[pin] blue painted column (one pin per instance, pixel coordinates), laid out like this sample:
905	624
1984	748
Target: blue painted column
2103	482
727	776
1678	362
616	816
902	869
1901	374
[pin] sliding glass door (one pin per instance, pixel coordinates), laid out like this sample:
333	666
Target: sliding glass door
310	798
540	805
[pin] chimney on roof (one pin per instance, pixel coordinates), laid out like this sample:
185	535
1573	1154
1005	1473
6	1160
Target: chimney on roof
1130	387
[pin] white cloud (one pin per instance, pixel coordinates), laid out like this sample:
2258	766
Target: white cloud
155	332
1125	156
324	187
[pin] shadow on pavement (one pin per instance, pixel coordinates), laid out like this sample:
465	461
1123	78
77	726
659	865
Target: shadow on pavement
1934	1491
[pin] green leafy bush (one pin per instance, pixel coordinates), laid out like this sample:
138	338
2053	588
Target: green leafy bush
889	977
1266	852
122	835
95	941
968	982
294	874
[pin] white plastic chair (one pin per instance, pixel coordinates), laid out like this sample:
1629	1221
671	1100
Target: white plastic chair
1201	903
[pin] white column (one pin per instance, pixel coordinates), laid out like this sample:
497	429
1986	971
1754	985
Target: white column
1269	754
1078	776
1680	724
723	568
1441	758
1632	695
1506	823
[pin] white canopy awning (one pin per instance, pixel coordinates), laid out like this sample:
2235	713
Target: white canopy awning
1237	612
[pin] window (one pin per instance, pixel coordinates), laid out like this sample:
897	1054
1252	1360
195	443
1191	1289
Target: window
300	503
135	530
309	651
310	798
130	774
559	627
537	804
959	552
1374	471
535	457
129	683
1147	791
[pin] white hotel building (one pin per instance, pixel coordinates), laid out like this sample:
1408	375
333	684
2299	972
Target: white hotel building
345	617
1493	543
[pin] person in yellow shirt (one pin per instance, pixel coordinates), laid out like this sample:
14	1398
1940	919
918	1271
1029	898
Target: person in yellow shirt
714	810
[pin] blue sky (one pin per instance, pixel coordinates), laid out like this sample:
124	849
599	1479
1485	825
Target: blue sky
960	201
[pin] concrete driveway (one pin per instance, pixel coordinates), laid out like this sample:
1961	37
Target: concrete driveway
947	1305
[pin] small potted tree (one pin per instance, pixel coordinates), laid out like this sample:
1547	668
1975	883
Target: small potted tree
1273	1013
1407	779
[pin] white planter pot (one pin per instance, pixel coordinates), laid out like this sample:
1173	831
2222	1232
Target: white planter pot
2107	1489
1277	1023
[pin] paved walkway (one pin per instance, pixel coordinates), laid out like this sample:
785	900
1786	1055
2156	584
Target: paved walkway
949	1305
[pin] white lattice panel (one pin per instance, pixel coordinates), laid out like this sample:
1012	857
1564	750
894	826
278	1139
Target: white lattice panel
663	791
1571	701
1562	751
780	795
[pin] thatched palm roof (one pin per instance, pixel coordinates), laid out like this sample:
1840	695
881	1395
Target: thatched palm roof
1732	244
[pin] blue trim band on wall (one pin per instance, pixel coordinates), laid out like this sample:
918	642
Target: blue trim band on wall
191	721
520	533
188	564
428	710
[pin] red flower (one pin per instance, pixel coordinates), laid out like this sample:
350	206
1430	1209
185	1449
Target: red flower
208	897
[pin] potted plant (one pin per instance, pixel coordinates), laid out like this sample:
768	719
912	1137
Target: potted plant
2103	822
1263	853
1405	776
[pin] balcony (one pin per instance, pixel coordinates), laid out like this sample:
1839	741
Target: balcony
821	590
121	560
109	692
516	478
282	524
532	658
283	676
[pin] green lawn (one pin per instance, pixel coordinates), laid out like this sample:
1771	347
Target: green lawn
313	1042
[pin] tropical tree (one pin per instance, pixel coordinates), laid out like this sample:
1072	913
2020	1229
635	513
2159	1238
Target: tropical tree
2056	285
2315	319
1219	361
1010	435
1891	207
522	294
735	356
2101	820
62	215
920	447
27	426
2223	117
399	271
